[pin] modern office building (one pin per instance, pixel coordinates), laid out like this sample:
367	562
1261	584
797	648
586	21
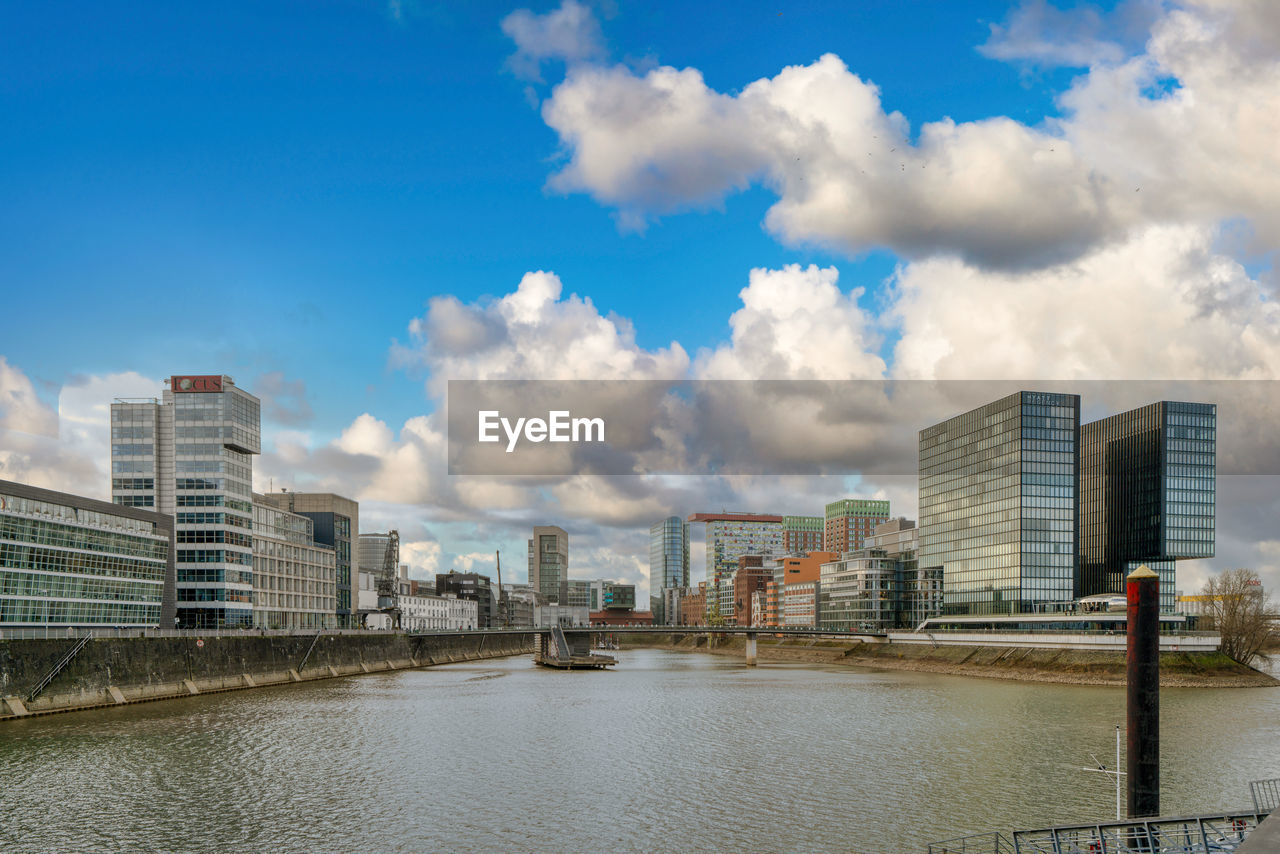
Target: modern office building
548	561
802	534
1147	494
189	454
336	523
732	535
848	522
294	577
69	561
998	508
919	588
669	553
474	586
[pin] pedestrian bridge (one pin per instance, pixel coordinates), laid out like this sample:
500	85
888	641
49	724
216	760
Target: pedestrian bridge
751	633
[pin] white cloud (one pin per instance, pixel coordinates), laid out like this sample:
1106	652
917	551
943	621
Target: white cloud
795	323
1162	305
20	408
1041	34
569	33
1182	133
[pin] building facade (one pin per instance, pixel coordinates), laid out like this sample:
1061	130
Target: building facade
848	522
1147	494
335	523
69	561
548	561
669	553
729	536
802	534
998	504
190	454
294	577
474	586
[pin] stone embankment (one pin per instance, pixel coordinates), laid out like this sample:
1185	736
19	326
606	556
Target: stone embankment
1075	667
112	671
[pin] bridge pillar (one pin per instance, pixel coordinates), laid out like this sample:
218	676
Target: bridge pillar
751	650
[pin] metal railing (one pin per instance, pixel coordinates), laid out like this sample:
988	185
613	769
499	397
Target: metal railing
979	843
1193	835
1266	795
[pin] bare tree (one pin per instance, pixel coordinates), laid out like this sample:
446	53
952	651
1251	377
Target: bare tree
1237	608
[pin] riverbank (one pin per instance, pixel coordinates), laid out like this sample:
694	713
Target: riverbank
1072	667
116	671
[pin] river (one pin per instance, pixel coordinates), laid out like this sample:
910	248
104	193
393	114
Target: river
672	751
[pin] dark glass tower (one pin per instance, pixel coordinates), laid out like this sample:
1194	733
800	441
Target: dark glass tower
1147	494
998	504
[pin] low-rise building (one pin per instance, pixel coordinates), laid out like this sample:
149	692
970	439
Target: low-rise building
474	586
67	561
693	606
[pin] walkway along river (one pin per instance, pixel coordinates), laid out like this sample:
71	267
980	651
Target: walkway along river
671	751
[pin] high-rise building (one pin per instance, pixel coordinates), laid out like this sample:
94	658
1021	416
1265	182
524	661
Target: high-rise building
802	534
190	455
1147	494
336	523
849	521
70	561
294	577
998	503
669	553
732	535
548	561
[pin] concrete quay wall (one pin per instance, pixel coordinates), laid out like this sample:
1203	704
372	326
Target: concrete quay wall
111	671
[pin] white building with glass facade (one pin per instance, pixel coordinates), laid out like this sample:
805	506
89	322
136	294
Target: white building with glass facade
68	561
190	454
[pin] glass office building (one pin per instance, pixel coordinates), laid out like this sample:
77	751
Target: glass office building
190	455
1147	494
68	561
669	553
998	504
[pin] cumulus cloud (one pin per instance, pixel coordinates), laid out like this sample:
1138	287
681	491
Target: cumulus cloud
20	408
1162	305
1181	133
531	333
568	33
70	449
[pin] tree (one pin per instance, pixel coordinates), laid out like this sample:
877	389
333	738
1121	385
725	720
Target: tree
1237	608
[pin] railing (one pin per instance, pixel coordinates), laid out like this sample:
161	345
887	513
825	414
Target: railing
1266	795
57	668
1196	835
980	843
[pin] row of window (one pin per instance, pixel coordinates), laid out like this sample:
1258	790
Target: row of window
31	584
40	532
78	613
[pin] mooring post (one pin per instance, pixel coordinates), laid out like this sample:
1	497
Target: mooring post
751	650
1142	589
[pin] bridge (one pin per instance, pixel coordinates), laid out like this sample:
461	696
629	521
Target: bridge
750	632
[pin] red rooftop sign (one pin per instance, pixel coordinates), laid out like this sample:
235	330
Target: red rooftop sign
205	383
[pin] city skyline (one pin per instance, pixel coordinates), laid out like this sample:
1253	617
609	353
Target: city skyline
361	299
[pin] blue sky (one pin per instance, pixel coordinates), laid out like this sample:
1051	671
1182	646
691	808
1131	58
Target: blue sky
277	191
310	174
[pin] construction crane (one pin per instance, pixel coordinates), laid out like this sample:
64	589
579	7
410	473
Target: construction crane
387	593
